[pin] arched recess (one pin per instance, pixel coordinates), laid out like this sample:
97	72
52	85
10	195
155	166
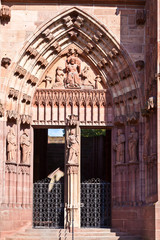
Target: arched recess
95	44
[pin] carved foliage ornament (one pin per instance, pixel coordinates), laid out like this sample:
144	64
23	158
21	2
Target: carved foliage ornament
5	62
141	17
5	13
1	109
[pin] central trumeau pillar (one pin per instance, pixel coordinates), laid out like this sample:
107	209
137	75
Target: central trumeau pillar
72	173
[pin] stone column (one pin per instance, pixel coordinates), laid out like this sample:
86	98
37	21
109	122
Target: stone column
72	174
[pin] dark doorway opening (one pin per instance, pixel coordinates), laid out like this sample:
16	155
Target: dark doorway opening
95	178
48	192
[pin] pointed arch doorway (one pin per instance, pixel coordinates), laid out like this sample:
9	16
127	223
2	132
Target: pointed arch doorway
102	91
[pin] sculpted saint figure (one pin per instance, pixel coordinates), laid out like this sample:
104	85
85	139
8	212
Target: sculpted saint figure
59	81
73	147
11	147
133	140
86	78
73	69
26	147
119	147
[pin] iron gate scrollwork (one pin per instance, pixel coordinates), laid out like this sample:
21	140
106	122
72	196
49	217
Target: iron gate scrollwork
48	206
95	204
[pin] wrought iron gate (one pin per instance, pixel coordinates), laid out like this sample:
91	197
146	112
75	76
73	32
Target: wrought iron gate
95	204
48	206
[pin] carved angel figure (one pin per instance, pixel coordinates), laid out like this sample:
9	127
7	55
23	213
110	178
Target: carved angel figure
133	139
26	147
119	147
11	147
73	148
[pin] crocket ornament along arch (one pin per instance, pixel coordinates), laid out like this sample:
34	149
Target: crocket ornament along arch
96	48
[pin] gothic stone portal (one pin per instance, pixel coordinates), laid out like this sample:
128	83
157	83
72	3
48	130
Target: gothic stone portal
72	94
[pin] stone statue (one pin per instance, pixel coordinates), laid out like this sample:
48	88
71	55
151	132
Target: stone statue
119	147
151	103
73	69
47	80
97	80
86	78
133	140
26	147
11	147
73	148
60	77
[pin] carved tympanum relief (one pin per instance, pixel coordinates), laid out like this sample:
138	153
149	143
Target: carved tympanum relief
132	145
25	147
11	145
119	147
71	72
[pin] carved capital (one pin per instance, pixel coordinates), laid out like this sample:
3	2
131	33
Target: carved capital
72	121
133	118
10	167
125	73
47	35
32	79
72	169
103	62
26	98
13	93
113	53
32	51
11	114
73	35
88	48
5	62
97	36
79	22
5	13
141	17
26	119
68	21
120	120
20	71
42	61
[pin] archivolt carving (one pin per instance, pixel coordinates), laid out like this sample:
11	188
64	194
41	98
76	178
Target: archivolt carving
102	51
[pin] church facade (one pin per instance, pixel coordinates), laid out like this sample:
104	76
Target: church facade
84	65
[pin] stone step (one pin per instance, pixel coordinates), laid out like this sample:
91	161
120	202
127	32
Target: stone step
61	234
75	238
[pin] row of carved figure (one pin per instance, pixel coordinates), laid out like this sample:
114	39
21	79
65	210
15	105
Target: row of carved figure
119	146
72	76
25	146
